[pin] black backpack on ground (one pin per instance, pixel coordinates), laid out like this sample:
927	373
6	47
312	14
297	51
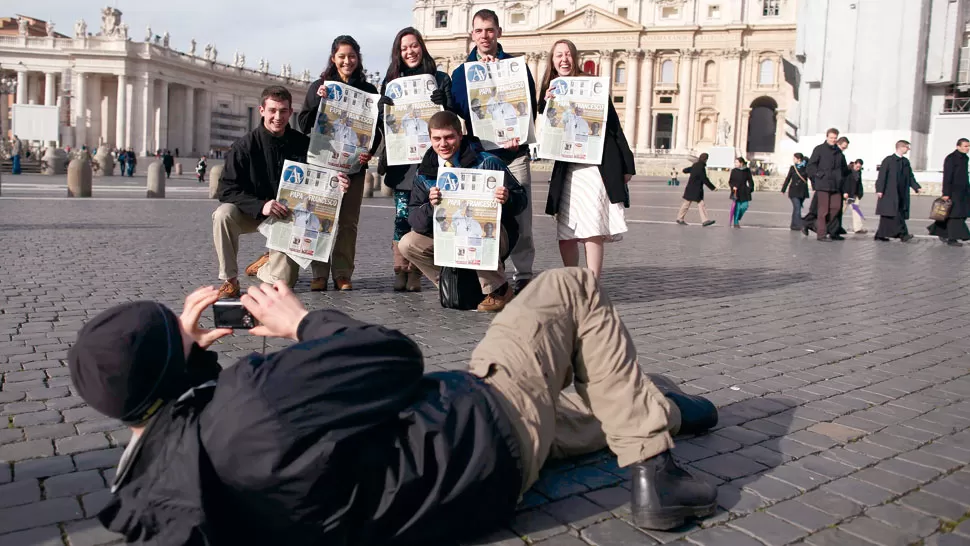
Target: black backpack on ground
459	288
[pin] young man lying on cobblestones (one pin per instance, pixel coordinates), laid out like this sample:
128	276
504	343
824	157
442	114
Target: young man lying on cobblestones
342	439
449	149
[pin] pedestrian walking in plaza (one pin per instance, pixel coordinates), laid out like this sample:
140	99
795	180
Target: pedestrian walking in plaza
247	192
694	191
852	192
587	200
344	65
796	184
200	169
168	162
122	161
341	438
486	32
17	148
956	189
409	57
132	161
892	192
742	189
826	169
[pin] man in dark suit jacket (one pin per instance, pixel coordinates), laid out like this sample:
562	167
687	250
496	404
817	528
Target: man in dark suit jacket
892	189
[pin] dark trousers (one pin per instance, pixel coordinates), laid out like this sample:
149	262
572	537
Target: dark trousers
829	205
796	212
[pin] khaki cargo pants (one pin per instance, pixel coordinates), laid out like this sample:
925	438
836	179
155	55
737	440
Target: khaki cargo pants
562	329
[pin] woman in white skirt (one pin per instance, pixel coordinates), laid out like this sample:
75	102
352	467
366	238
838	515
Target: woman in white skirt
587	200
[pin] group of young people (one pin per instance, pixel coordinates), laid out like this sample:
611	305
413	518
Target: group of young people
587	200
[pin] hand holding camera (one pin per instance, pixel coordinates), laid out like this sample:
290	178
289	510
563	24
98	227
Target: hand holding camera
195	304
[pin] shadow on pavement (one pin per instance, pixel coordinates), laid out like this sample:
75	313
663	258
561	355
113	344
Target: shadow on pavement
639	284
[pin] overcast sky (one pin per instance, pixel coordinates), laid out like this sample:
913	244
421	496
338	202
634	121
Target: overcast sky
295	31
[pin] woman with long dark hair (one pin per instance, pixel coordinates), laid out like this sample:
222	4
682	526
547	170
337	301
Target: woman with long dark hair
344	66
587	200
409	57
796	184
742	187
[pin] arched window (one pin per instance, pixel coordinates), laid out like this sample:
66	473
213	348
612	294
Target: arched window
710	72
667	72
762	125
589	67
766	72
619	73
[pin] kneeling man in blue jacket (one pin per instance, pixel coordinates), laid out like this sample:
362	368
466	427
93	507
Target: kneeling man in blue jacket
341	438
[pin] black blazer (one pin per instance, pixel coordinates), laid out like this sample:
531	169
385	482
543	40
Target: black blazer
695	184
796	183
616	164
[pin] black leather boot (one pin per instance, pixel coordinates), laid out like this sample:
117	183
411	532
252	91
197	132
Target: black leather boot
697	413
665	496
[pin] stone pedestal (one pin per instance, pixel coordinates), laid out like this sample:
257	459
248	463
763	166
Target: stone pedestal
105	162
79	178
156	180
178	168
215	173
369	184
721	157
54	161
386	190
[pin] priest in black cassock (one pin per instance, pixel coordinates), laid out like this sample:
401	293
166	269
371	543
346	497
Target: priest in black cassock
892	190
956	188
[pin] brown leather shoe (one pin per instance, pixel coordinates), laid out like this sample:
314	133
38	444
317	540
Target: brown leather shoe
493	303
414	280
400	280
318	285
253	268
229	289
343	285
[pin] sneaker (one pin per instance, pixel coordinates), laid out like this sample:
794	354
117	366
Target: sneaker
343	284
495	302
229	289
318	285
708	223
253	268
400	280
665	495
520	285
681	222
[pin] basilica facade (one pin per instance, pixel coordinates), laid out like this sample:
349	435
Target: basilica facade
129	89
687	75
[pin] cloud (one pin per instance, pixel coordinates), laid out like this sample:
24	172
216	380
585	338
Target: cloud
297	32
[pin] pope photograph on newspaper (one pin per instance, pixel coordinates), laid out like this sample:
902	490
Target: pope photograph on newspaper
313	195
468	220
572	125
499	103
406	122
344	128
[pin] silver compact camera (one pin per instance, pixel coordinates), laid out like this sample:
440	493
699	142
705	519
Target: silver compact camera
230	313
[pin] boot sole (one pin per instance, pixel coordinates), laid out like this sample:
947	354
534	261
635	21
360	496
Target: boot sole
673	517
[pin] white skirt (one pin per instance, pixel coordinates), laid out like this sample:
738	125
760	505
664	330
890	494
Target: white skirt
585	210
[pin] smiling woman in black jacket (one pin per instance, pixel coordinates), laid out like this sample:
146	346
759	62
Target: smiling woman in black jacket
796	183
344	66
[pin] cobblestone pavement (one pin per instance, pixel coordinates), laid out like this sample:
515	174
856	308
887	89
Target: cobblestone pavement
840	370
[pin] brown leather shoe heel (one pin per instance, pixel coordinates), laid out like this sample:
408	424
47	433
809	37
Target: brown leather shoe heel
229	289
253	268
318	285
344	285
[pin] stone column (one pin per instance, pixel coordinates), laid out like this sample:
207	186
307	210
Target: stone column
161	118
533	60
148	113
81	110
686	91
21	87
606	65
645	101
731	89
50	87
633	57
4	117
121	112
202	139
542	66
189	124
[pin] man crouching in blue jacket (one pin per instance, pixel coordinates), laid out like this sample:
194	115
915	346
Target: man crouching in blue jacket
341	439
449	149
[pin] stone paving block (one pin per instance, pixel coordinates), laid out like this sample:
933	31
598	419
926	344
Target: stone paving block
763	455
933	505
39	536
767	487
769	529
576	512
913	471
563	540
615	499
927	459
837	432
94	502
940	540
909	521
722	536
737	501
825	467
43	468
949	490
729	466
26	450
89	532
37	418
803	515
25	407
887	480
77	444
835	537
614	532
105	458
16	493
11	435
46	432
38	514
877	533
797	476
536	525
74	484
502	537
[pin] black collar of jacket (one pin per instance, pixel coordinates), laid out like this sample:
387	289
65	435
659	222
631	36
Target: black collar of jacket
467	157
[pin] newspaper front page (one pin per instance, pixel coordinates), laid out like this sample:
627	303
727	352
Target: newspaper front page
313	196
499	103
468	221
574	121
406	123
344	128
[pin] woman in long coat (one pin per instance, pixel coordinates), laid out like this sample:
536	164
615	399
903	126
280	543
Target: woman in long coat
587	200
796	184
694	192
956	189
742	187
